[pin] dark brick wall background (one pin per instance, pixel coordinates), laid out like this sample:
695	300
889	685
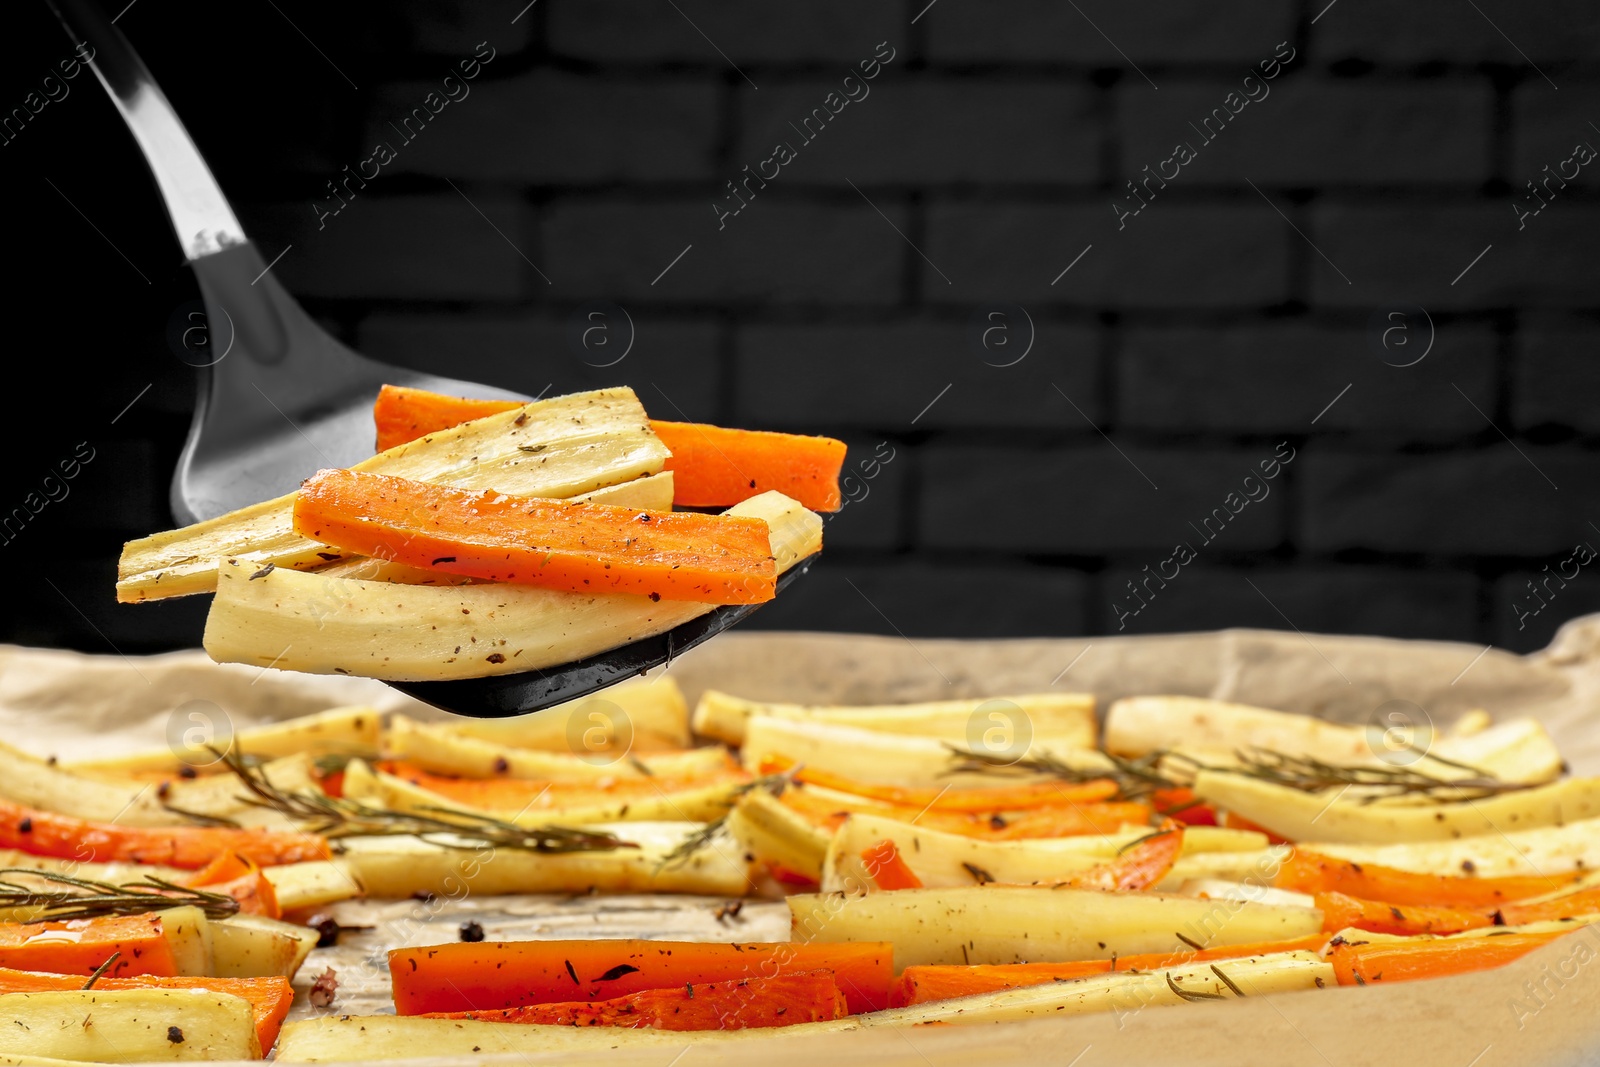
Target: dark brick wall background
1239	316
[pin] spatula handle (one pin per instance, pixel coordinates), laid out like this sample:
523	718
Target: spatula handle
200	214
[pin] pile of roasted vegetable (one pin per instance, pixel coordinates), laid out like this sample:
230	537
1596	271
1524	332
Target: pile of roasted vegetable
158	905
492	537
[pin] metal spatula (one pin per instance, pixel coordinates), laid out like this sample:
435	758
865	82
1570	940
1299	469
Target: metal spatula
281	398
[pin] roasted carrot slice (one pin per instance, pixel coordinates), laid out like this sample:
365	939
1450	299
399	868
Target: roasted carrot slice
803	883
254	892
1144	863
517	794
1340	911
1070	820
43	833
269	998
226	867
712	466
494	975
731	1004
78	946
235	876
983	799
922	983
581	548
1181	804
1239	822
405	414
717	467
1309	872
1568	906
1366	962
1106	817
888	868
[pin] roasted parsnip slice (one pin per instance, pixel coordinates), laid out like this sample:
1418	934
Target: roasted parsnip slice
774	834
1249	976
879	757
337	1038
346	731
188	932
400	866
311	885
1516	751
1302	816
945	859
1014	924
1544	850
1055	720
703	802
36	783
254	946
128	1025
444	748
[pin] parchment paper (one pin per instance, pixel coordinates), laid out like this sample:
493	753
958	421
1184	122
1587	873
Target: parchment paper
1543	1009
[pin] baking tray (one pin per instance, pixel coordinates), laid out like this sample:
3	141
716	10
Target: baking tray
1543	1009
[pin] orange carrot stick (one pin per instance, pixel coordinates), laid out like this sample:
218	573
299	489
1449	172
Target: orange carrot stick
982	799
888	868
712	466
802	883
730	1004
1066	821
517	794
235	876
717	467
269	998
78	946
1308	872
405	414
581	548
254	892
921	983
1366	962
44	833
1569	906
1181	804
1239	822
226	867
1340	911
1140	867
492	975
1106	817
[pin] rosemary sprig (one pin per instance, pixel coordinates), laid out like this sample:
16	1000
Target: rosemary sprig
1136	842
1229	982
83	898
1138	778
331	762
702	838
99	972
1193	994
1135	778
200	818
1311	775
336	817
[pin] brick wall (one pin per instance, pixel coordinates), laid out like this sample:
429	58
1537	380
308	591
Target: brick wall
1152	361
